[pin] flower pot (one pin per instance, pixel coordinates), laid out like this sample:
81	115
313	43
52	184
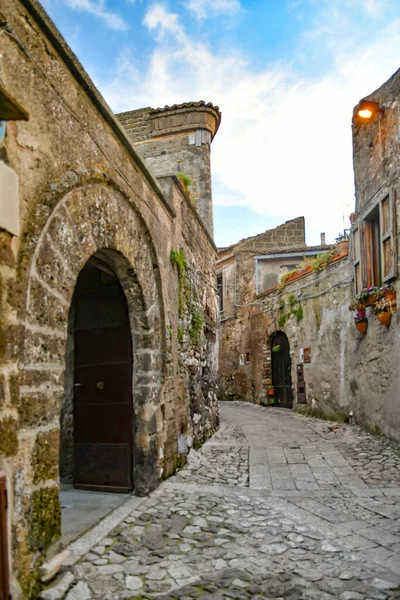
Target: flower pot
390	297
384	317
343	247
361	306
270	392
362	326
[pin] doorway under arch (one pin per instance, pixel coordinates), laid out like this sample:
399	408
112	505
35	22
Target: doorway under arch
281	370
102	403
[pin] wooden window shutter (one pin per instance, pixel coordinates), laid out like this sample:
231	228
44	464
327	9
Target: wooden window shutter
4	571
357	259
387	219
363	255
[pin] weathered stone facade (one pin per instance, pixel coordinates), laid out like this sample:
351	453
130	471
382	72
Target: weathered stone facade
343	371
177	139
85	195
245	270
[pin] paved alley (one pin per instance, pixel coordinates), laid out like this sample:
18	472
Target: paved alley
275	505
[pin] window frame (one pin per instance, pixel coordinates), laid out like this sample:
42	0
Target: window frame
371	263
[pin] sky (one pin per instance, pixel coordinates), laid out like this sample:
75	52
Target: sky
285	74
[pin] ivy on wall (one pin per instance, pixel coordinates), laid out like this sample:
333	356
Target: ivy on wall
186	304
296	311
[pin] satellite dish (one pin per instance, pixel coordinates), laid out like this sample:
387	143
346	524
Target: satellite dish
2	130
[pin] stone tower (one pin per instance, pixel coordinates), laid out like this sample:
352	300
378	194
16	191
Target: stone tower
177	139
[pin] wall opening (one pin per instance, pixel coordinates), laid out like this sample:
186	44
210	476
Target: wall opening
281	370
96	437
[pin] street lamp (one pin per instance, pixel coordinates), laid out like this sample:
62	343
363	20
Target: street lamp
367	109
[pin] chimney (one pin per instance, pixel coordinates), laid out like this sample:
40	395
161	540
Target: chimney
323	243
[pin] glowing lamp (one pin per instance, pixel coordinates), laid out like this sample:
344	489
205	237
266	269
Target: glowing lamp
367	109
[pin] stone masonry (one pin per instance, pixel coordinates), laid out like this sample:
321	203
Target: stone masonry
177	139
85	194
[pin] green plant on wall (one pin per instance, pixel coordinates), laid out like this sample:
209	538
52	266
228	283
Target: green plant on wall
178	259
298	313
185	180
185	302
196	325
282	319
292	300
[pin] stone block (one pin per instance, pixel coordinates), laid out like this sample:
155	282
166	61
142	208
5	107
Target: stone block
38	409
58	589
8	437
44	518
9	200
50	568
45	456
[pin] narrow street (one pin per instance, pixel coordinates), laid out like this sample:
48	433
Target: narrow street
275	505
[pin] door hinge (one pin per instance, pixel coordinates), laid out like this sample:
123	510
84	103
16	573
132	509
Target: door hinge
6	502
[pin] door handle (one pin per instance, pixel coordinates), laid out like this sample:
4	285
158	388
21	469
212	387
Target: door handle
100	385
77	385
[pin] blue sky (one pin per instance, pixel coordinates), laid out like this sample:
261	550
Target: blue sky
285	74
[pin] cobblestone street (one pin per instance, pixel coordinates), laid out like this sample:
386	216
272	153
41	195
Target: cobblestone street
275	505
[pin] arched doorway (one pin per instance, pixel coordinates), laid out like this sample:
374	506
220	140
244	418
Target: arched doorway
281	370
102	382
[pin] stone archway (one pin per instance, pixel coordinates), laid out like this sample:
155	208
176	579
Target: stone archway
281	370
94	220
96	424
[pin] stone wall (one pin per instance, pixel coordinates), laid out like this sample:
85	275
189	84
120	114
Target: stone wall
84	192
243	274
349	371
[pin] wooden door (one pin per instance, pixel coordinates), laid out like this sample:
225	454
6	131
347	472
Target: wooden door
4	571
281	370
103	430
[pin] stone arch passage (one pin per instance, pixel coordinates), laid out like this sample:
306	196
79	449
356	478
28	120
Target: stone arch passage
92	221
281	370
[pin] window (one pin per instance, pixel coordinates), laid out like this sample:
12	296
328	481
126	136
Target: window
220	292
374	246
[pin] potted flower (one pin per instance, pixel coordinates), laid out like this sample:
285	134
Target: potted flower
270	390
342	243
384	316
361	321
365	298
389	294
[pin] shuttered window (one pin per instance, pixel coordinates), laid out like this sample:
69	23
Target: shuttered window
388	238
357	259
374	246
4	572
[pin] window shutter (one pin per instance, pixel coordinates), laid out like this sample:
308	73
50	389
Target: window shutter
387	218
363	256
357	259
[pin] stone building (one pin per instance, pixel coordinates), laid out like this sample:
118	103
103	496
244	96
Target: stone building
177	139
108	300
297	342
244	271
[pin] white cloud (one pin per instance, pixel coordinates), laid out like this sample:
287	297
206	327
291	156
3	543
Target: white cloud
97	8
206	8
284	145
162	22
373	7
